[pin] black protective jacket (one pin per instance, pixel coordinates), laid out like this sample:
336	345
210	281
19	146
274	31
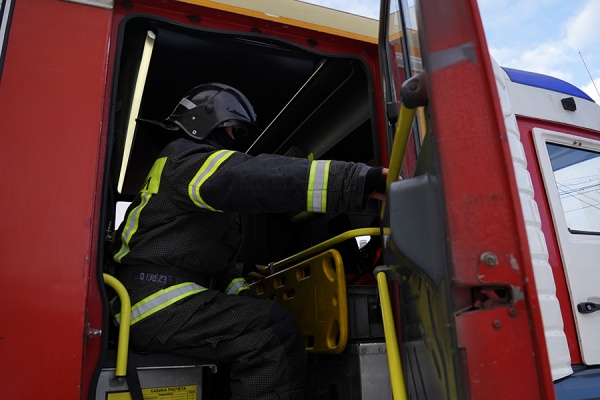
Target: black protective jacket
186	214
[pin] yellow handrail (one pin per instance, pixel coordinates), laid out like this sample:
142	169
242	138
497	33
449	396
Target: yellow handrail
403	128
391	342
123	342
325	245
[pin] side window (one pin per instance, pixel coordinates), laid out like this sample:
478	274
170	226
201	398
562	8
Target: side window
404	58
577	176
120	211
575	166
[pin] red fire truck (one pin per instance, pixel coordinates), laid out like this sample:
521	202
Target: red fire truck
477	279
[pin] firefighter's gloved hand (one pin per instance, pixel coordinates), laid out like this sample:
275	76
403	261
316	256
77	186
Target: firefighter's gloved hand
255	273
375	183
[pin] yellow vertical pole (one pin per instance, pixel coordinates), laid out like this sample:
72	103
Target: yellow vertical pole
391	341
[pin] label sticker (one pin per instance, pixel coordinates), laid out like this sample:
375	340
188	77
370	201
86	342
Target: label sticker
160	393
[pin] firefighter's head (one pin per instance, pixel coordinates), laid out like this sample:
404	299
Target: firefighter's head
213	111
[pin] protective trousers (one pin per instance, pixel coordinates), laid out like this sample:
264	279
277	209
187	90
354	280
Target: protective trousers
258	339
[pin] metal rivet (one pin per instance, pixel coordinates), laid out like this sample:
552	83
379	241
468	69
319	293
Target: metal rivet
489	259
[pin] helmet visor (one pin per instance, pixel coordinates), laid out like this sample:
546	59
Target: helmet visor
229	111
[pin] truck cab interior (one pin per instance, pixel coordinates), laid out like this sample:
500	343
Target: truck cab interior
308	104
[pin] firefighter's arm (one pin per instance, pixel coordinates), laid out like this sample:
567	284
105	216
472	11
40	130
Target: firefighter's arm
270	183
238	286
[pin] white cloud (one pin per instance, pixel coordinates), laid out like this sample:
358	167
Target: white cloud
583	36
546	37
583	30
592	90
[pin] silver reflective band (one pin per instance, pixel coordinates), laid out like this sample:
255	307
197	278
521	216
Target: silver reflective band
187	104
206	171
236	286
317	186
161	299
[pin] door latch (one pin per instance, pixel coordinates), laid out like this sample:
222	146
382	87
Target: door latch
587	307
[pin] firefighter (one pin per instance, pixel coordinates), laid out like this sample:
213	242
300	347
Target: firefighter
175	252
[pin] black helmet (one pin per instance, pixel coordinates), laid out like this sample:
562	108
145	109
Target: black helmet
211	106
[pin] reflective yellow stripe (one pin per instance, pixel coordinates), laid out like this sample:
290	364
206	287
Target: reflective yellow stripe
206	170
316	196
152	182
150	187
161	299
131	227
236	286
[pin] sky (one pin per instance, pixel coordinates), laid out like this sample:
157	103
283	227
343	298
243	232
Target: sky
553	37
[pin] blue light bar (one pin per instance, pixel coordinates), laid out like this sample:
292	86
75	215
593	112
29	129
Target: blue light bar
545	82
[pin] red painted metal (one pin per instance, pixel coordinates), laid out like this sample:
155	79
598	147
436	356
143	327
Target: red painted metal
482	207
51	97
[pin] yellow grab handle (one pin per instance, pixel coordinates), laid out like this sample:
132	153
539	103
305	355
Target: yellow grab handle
403	128
319	248
391	342
123	342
